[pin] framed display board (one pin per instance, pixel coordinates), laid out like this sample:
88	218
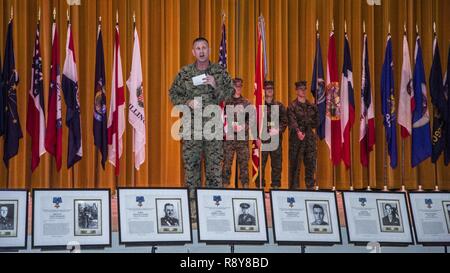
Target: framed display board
431	217
229	216
381	217
63	217
305	217
154	216
13	219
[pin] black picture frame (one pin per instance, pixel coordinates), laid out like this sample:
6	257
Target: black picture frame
305	243
82	246
25	245
153	243
426	243
233	242
382	243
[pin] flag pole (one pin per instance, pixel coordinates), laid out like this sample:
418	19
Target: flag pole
334	167
259	110
403	147
316	186
368	158
436	178
418	169
351	137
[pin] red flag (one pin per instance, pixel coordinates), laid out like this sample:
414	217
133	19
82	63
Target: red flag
53	133
116	118
333	134
259	103
35	112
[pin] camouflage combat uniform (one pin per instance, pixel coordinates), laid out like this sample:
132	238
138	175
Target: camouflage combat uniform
302	117
276	157
240	147
182	91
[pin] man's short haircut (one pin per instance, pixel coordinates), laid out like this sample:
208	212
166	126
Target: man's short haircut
269	84
168	204
200	39
316	206
388	205
237	80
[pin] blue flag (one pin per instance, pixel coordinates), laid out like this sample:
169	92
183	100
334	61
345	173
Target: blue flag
388	103
13	131
439	102
100	119
421	137
318	89
447	124
71	97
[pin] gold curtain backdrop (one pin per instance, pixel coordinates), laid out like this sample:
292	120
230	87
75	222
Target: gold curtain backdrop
166	30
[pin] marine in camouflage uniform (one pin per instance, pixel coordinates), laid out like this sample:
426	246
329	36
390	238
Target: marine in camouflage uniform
275	128
217	87
303	118
235	145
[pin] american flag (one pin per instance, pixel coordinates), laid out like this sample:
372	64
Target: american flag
223	48
223	62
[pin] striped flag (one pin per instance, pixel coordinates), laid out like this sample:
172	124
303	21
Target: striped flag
406	101
53	132
421	137
347	104
116	119
223	62
71	97
367	128
333	135
260	73
136	113
36	108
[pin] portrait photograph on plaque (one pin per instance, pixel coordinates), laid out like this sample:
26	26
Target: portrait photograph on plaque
318	217
390	217
231	216
305	217
88	217
381	217
154	216
245	215
169	212
431	217
13	219
76	217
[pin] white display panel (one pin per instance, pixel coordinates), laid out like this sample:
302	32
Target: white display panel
381	217
154	216
13	219
71	217
231	216
305	217
431	215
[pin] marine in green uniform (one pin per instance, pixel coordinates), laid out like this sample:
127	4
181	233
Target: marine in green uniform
234	145
215	86
274	128
303	118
